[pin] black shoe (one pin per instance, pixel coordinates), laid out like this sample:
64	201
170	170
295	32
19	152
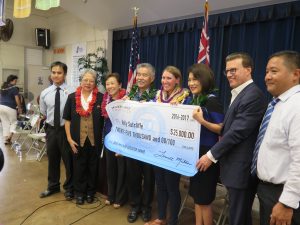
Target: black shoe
80	200
69	195
89	199
146	215
132	216
48	193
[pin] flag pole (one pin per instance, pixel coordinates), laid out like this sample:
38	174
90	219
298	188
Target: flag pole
136	11
134	53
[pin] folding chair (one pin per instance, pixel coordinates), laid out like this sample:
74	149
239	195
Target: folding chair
38	142
186	183
223	216
23	129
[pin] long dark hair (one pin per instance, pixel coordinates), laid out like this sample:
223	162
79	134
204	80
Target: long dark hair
7	84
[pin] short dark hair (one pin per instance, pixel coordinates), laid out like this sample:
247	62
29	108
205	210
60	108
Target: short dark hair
205	75
115	75
6	84
291	58
247	61
60	64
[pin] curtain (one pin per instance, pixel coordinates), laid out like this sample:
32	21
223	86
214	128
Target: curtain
259	31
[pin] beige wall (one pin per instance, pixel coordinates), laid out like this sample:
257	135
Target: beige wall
12	53
65	30
68	30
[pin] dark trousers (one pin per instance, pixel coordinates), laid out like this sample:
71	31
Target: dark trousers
268	195
57	149
140	180
240	206
116	178
85	165
167	184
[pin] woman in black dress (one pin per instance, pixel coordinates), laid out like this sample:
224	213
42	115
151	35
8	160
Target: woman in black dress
210	116
115	164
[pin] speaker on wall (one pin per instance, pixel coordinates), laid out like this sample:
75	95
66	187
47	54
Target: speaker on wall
42	37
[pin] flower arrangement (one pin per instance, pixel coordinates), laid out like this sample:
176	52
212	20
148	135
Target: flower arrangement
95	61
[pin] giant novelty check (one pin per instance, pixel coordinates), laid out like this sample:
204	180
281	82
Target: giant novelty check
160	134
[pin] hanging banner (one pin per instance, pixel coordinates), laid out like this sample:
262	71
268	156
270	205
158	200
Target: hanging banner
22	8
46	4
78	51
163	135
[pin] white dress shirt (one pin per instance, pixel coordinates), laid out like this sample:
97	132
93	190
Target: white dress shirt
85	103
278	159
234	93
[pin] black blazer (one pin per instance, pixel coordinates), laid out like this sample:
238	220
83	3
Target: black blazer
71	115
240	129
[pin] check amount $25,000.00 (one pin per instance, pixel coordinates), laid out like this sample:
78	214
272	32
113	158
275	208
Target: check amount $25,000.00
182	133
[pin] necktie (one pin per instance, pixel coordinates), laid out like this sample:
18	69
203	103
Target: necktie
261	133
57	109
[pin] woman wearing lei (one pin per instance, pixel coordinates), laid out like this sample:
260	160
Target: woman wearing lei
167	182
210	116
116	165
83	127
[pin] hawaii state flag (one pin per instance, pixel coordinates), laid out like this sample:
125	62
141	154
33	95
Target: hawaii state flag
203	55
134	56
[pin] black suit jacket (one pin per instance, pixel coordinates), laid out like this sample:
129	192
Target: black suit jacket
240	128
71	115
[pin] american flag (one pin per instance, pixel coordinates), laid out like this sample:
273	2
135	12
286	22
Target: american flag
203	55
134	56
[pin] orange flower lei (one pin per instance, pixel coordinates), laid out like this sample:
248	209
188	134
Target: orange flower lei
79	108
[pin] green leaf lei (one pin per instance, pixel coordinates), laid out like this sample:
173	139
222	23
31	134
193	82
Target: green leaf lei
199	100
146	96
202	99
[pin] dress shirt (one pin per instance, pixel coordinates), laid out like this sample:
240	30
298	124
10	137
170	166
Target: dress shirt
47	102
234	94
278	159
85	103
237	90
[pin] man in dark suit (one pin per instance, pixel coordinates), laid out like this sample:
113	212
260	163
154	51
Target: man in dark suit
239	133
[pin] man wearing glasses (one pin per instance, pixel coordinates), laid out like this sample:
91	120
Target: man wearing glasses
240	128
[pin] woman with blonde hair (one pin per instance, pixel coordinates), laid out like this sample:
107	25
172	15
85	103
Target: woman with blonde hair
167	182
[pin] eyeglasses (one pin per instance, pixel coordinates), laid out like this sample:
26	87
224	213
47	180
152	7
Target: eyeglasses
232	71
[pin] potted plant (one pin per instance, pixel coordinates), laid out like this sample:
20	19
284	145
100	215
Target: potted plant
97	62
